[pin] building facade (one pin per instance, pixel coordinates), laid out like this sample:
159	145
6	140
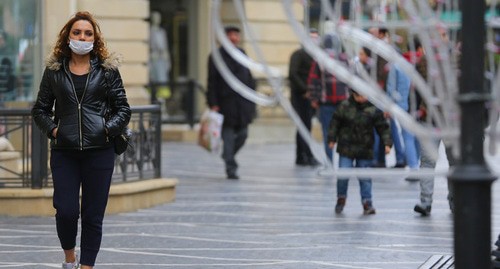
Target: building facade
29	29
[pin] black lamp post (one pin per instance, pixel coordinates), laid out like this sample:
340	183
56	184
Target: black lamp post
471	178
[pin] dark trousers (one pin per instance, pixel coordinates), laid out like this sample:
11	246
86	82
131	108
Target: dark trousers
303	108
92	170
234	138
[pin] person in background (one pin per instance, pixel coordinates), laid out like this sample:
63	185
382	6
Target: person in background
3	43
238	112
382	71
81	79
325	91
7	45
351	129
398	88
363	62
424	207
300	64
7	81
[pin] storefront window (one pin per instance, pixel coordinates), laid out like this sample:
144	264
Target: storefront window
19	49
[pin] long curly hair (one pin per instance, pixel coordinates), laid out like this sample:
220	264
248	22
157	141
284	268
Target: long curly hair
61	49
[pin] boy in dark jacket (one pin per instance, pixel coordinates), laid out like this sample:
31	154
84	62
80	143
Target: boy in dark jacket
351	128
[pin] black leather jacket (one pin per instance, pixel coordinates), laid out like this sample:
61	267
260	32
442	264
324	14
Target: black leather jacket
85	125
237	110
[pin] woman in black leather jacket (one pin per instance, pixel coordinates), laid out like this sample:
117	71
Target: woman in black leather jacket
82	81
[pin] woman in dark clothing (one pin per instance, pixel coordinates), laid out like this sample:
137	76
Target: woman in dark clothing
83	82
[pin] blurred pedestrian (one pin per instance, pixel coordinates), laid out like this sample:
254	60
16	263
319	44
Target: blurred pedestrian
7	81
238	112
325	90
398	88
424	207
300	65
351	128
90	109
382	72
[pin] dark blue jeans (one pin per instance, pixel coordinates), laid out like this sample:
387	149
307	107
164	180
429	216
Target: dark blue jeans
396	140
365	184
92	170
378	151
325	116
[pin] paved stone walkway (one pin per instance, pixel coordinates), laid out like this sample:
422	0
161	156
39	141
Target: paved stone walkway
276	216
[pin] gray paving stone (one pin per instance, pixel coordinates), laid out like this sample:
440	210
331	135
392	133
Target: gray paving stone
276	216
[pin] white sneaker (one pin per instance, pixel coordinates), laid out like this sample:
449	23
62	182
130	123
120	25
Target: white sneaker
71	265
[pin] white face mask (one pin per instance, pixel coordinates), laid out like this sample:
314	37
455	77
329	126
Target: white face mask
81	47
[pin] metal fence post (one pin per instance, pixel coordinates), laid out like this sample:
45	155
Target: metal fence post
471	178
157	113
191	103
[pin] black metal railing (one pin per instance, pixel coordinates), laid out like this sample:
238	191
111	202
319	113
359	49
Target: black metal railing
142	160
15	145
27	166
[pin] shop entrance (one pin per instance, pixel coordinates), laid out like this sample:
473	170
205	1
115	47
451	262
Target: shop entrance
170	58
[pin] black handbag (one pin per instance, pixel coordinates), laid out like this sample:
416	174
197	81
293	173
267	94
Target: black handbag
122	141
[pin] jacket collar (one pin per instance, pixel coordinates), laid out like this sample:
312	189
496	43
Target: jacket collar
359	105
112	62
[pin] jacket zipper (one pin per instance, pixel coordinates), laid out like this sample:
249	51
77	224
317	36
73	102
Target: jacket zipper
80	110
79	102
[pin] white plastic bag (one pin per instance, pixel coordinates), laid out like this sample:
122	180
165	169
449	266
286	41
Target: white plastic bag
209	136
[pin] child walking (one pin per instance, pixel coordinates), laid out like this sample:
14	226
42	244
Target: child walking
351	128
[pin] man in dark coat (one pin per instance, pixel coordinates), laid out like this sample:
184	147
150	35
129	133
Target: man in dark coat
238	112
300	64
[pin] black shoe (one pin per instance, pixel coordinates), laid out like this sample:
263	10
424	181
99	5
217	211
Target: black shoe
302	162
314	162
233	176
368	208
400	165
378	165
423	210
412	179
339	207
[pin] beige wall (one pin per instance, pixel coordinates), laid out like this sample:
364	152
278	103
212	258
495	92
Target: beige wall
270	26
124	29
272	31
